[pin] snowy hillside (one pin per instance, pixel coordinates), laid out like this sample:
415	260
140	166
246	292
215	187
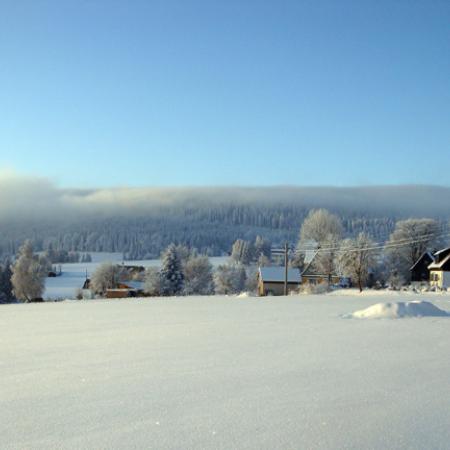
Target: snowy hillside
223	373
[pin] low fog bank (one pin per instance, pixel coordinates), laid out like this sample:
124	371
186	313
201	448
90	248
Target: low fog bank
24	197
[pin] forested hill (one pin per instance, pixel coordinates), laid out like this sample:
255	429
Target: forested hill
142	222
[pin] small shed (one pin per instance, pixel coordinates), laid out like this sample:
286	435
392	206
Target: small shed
271	280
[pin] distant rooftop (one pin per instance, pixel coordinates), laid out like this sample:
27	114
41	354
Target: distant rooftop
276	274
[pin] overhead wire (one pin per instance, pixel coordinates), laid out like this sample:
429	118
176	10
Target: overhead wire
377	245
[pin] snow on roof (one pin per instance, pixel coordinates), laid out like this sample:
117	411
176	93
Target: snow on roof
276	274
138	285
438	265
429	254
442	251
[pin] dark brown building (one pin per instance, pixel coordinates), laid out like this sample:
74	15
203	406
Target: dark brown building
419	271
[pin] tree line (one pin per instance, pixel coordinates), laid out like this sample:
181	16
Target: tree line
185	271
209	229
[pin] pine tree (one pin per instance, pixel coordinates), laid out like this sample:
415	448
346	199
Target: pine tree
172	278
6	288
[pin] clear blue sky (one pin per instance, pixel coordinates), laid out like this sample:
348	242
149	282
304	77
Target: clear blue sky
104	92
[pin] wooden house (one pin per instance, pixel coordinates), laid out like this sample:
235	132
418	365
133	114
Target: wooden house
440	269
126	289
271	280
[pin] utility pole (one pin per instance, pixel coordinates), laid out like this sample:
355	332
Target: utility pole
286	268
284	251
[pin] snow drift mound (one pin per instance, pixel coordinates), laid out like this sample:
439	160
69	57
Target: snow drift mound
399	310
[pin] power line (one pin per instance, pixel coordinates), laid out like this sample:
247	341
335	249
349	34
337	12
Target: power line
378	245
441	227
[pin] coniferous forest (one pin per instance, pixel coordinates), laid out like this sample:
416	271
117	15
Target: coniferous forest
211	226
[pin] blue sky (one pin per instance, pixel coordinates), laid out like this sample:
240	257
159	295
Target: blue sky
100	93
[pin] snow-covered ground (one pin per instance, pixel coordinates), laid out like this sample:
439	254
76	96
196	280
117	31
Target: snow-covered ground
223	373
74	274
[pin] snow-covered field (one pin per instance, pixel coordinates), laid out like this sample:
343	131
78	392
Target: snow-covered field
223	373
74	274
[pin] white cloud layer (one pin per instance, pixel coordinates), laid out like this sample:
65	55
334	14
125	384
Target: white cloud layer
36	197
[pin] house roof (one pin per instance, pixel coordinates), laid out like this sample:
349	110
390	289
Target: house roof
132	284
440	264
425	254
311	270
442	251
277	274
138	285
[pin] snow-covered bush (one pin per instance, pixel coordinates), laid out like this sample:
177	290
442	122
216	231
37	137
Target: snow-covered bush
198	277
395	282
230	279
309	288
251	283
152	282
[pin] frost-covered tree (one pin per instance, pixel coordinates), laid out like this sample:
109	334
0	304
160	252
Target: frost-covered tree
28	277
326	258
152	282
107	276
251	282
321	227
172	277
198	278
56	256
242	252
321	231
262	247
263	261
6	287
356	258
184	253
410	239
230	279
297	260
